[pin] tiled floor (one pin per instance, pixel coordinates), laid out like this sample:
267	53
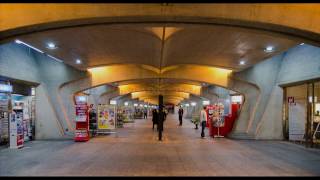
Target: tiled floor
135	151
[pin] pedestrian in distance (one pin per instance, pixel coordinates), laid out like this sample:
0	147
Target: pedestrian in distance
154	118
145	113
180	112
203	120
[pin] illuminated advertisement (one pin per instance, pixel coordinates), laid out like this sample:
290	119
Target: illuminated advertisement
106	117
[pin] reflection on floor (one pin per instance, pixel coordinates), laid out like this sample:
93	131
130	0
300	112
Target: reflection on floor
135	151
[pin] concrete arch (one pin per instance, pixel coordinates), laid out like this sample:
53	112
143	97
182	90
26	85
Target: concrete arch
270	17
186	88
210	75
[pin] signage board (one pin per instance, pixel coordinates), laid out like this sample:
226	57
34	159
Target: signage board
106	117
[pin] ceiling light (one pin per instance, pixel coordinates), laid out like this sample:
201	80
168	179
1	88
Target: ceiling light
20	42
55	58
242	62
205	102
78	61
301	44
51	46
269	49
113	102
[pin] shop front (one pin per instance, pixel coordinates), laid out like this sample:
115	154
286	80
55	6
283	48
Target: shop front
302	113
17	113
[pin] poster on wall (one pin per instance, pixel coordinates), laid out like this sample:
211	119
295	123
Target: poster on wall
106	117
297	117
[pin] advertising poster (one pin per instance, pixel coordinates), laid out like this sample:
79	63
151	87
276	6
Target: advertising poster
106	117
81	112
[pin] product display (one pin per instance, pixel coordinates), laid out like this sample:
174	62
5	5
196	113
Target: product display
16	126
93	122
4	121
126	113
215	117
138	113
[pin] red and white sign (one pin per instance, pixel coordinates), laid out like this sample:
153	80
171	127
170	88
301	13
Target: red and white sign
81	112
82	119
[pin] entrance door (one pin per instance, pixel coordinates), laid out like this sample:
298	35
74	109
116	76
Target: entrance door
315	124
297	112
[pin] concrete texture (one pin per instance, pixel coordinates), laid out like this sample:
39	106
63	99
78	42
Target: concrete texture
261	16
22	63
135	151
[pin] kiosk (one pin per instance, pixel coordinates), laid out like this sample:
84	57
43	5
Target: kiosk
82	119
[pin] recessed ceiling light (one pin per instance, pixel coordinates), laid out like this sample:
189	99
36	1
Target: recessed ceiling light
269	49
78	61
51	45
301	44
242	62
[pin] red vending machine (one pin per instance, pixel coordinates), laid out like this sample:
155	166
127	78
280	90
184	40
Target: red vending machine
210	112
82	119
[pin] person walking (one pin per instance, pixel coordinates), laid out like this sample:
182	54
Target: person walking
165	113
180	112
145	114
154	118
203	120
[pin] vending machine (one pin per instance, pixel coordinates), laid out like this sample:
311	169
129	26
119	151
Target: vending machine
82	119
16	128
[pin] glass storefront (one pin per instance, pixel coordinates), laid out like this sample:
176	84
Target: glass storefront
302	113
21	99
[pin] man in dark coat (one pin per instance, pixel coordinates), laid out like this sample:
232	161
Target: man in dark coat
180	112
154	117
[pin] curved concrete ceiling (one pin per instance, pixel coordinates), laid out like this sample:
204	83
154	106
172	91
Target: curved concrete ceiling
293	19
209	45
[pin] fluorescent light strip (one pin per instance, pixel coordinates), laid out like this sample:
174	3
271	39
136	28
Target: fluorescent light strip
55	58
20	42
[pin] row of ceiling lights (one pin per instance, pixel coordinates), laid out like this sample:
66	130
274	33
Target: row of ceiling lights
52	46
268	49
